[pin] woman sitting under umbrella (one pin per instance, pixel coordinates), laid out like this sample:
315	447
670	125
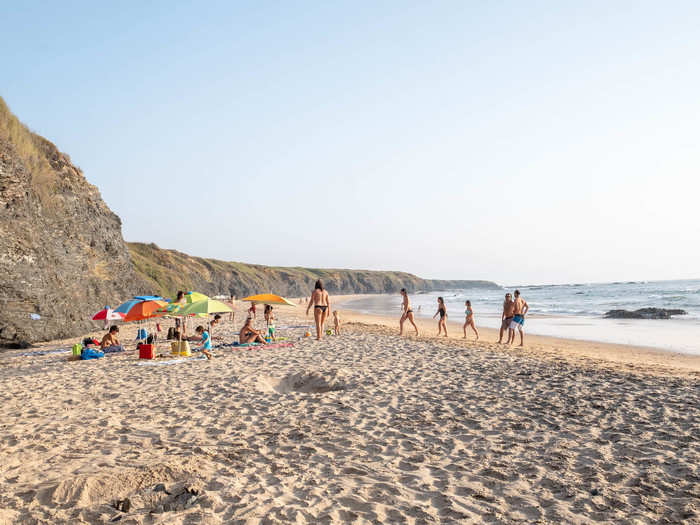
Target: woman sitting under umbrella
249	334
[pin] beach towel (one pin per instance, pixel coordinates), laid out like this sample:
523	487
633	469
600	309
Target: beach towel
44	352
171	361
113	349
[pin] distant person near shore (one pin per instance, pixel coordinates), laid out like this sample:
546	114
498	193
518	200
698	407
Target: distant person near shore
469	319
520	308
322	304
252	312
232	315
407	312
442	310
179	299
506	317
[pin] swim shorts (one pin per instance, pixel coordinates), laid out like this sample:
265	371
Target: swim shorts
517	322
505	324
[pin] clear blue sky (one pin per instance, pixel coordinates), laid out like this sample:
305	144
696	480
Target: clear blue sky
521	142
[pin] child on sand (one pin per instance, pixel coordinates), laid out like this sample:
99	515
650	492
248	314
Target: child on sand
442	310
336	322
203	336
469	319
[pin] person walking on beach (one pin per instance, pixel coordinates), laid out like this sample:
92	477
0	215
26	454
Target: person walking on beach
506	317
520	308
442	325
469	319
322	305
407	312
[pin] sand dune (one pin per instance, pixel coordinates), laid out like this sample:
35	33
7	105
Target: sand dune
366	427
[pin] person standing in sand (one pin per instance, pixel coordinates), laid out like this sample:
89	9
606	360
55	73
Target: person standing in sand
506	317
442	325
520	308
469	319
322	305
407	312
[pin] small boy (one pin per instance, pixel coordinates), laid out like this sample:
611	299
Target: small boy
336	322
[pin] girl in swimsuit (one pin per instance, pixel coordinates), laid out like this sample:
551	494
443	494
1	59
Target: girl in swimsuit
442	325
321	303
407	312
469	319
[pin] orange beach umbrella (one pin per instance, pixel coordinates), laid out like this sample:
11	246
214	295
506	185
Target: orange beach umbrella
144	310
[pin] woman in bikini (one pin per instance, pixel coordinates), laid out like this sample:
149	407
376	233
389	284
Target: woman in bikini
407	312
442	325
322	305
469	319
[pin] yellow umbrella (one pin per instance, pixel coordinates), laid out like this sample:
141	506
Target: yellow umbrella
268	298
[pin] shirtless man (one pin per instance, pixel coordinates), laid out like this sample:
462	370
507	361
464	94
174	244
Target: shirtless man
322	305
110	339
520	308
506	317
248	334
407	312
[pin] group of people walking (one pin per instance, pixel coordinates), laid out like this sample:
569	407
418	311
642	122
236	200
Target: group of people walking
512	318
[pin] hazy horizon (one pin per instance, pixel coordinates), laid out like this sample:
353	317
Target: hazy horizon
533	144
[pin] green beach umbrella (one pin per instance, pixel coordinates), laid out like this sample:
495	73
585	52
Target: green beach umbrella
205	306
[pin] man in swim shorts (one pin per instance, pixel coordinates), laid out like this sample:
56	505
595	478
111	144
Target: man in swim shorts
506	316
520	308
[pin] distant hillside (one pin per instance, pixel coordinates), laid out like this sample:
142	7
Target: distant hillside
170	270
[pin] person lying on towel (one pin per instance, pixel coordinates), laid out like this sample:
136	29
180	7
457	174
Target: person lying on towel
249	334
110	343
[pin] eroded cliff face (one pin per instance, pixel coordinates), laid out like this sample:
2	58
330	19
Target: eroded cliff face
62	255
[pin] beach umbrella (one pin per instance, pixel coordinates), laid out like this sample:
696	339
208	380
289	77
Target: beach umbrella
126	306
194	297
144	310
268	298
206	306
107	314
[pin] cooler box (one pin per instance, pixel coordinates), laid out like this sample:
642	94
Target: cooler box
181	348
147	352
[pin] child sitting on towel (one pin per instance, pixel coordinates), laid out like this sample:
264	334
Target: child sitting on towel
110	343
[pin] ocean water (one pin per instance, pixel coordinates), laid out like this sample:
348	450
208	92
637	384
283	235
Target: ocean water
572	310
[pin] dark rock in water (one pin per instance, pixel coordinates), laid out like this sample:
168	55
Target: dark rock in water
644	313
62	255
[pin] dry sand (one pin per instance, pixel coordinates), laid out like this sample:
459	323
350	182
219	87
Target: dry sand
366	427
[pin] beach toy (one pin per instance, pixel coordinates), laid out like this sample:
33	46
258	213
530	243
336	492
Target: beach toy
329	332
77	349
307	334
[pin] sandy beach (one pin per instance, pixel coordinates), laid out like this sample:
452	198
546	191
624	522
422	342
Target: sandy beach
365	427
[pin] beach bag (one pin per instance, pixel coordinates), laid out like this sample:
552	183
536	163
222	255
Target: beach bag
181	348
77	349
171	333
142	334
89	353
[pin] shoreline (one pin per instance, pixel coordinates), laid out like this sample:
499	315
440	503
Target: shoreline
536	345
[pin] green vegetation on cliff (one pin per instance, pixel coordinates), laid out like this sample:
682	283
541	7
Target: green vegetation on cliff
170	270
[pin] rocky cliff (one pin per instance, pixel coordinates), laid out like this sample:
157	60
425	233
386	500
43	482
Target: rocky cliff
170	270
62	256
